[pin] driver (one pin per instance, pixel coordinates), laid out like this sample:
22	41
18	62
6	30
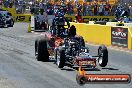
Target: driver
59	23
72	31
72	34
42	19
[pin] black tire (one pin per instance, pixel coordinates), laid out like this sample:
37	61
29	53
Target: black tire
5	26
36	44
11	23
42	51
103	56
81	80
60	61
82	42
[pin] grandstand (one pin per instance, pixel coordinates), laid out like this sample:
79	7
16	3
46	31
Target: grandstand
82	1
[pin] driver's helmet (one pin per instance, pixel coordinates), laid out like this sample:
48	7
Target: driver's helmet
59	19
72	31
60	13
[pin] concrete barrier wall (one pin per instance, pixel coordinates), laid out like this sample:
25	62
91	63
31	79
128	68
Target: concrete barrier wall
114	24
19	17
130	38
111	23
128	24
99	34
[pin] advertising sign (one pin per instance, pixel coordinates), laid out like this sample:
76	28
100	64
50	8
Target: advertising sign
119	36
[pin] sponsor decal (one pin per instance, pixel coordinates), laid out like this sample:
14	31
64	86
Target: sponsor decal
87	19
23	18
119	36
20	18
83	78
95	19
86	61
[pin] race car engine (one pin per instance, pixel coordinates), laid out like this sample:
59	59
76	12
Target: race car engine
72	47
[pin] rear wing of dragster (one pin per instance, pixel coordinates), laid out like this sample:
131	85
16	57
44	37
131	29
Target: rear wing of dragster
83	78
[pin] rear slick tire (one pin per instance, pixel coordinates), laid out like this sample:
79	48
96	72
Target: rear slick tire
60	61
42	51
103	56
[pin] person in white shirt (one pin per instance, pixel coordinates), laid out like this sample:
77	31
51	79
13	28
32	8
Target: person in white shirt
42	17
42	20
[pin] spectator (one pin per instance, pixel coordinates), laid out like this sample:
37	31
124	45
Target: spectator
107	9
15	3
41	17
89	9
69	8
32	10
126	19
1	2
130	8
101	9
79	10
72	9
95	9
6	4
84	9
113	9
118	12
50	11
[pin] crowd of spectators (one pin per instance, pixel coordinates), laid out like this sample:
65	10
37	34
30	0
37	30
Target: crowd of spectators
85	9
19	5
7	3
92	9
95	9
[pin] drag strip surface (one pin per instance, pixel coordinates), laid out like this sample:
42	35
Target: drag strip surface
20	69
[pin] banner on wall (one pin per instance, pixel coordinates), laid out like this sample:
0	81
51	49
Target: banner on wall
119	36
23	17
97	18
86	19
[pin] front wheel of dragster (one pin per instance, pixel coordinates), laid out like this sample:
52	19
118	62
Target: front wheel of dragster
41	50
36	47
103	55
60	58
81	80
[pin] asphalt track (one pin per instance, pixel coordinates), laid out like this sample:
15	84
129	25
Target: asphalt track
20	69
